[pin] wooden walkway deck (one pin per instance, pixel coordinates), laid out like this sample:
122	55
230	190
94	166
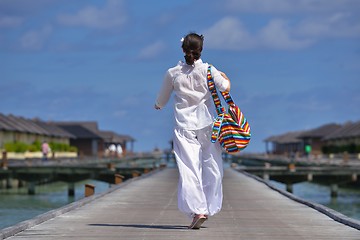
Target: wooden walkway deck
147	209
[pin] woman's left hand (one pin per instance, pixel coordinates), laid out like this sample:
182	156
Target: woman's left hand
226	77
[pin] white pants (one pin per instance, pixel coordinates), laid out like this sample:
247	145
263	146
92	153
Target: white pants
201	172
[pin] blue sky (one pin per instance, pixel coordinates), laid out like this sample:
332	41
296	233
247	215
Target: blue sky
294	65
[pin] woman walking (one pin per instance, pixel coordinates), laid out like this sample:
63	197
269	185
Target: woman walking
199	161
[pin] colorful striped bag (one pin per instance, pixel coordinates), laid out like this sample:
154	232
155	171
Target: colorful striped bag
230	128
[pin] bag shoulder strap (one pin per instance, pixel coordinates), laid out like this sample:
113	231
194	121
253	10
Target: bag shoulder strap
213	91
228	98
226	95
220	110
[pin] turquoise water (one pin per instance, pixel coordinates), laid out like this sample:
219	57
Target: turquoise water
16	205
347	202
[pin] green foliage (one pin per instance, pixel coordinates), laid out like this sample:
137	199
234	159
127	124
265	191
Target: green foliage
20	147
73	149
17	147
32	148
35	146
62	147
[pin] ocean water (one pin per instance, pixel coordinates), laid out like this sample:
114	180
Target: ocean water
347	202
16	205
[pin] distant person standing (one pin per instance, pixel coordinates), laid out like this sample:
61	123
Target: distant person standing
308	150
119	150
45	148
199	161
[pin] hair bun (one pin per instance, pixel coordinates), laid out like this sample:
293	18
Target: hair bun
192	45
189	58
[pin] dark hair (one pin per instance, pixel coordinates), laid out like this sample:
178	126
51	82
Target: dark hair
192	46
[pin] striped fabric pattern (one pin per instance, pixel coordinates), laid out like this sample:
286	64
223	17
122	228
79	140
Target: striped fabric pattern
230	128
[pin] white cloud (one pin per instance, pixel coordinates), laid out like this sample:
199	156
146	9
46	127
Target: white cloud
151	50
229	33
35	40
25	8
112	15
6	21
291	6
335	25
258	5
277	35
282	34
120	113
310	19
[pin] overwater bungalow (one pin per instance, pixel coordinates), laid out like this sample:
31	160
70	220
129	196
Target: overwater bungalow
27	131
327	139
286	143
91	141
86	137
345	138
314	137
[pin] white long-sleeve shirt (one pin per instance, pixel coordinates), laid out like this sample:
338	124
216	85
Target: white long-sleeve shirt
193	104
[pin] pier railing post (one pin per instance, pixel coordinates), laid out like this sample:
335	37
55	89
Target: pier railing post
118	178
31	188
111	166
135	174
4	163
354	177
289	187
71	189
334	190
292	167
310	177
8	183
89	190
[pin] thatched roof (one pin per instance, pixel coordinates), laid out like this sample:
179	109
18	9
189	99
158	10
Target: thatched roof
289	137
89	129
112	137
80	132
325	132
321	131
81	129
348	130
24	125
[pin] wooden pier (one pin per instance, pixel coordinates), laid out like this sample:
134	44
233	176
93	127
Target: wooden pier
146	208
35	172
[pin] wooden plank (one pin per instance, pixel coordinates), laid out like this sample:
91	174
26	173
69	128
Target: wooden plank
147	209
